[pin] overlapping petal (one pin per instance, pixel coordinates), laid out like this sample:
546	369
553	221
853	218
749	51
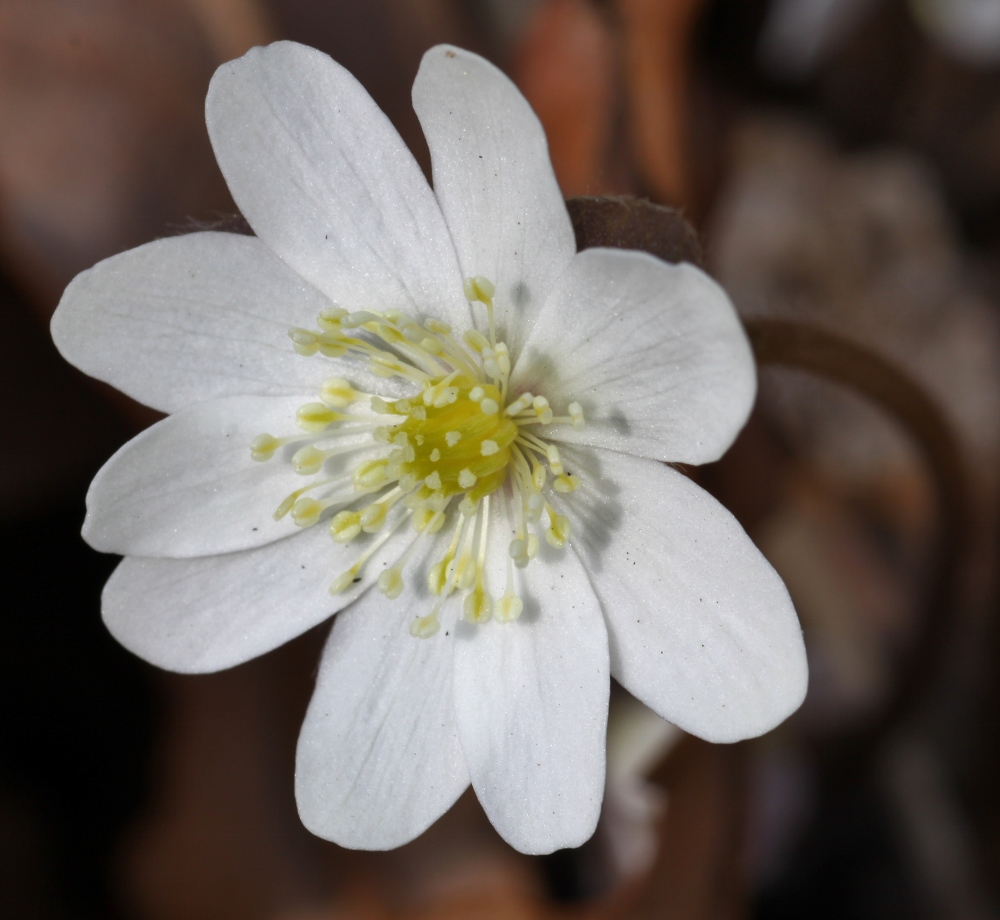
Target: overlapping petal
187	487
378	758
495	183
327	183
189	319
653	352
531	699
700	627
213	612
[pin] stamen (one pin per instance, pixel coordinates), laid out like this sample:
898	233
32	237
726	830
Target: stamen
457	437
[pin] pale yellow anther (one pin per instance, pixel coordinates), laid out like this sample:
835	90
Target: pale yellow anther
390	582
437	326
452	438
344	581
373	517
478	606
476	394
576	414
479	288
433	481
413	333
380	406
359	318
437	577
467	506
425	627
476	340
520	404
488	448
555	459
307	460
542	410
422	517
558	531
508	608
489	406
446	397
286	505
306	512
401	439
345	526
303	341
518	551
370	475
503	358
315	416
432	346
331	347
538	476
465	572
565	483
329	319
435	455
382	367
337	393
438	502
534	507
419	439
467	479
263	446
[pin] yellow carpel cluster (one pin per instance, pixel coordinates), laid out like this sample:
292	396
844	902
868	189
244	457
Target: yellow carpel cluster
448	443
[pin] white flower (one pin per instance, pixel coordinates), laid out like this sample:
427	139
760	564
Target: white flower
541	390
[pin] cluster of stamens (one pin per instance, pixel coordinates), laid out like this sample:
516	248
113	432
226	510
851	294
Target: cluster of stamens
446	452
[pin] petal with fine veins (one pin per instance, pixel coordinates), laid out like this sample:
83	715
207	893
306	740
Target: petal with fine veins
187	485
214	612
493	177
653	352
189	319
327	183
378	758
700	627
532	703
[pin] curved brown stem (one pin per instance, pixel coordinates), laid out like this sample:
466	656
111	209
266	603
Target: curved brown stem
791	344
634	224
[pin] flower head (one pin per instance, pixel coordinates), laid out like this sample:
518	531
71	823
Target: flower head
423	409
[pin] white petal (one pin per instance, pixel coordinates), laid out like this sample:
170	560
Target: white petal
653	352
378	759
210	613
188	319
532	704
187	486
701	628
495	183
327	183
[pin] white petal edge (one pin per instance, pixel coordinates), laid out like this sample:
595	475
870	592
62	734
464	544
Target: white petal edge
189	319
494	180
378	758
327	183
531	699
187	486
700	626
653	352
196	616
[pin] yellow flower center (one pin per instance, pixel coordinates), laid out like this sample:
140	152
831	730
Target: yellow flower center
442	453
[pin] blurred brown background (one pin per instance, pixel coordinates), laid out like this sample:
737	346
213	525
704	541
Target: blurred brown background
840	160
